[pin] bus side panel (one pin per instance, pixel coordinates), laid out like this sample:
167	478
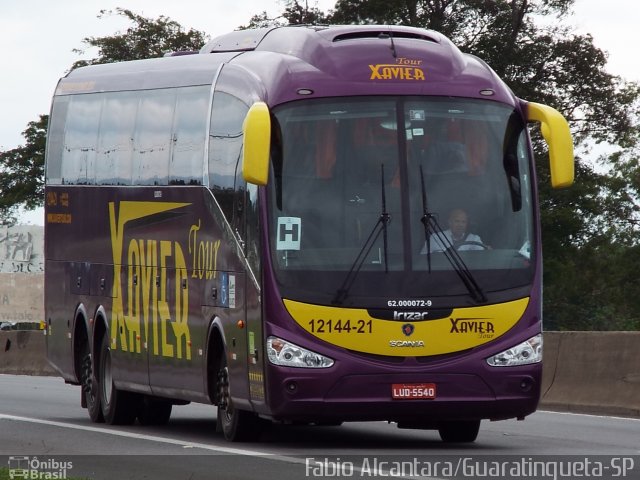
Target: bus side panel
224	288
150	257
59	318
156	327
256	348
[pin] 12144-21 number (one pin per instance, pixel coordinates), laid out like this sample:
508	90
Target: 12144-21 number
340	326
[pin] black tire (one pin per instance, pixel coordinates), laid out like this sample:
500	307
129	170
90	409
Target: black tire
464	431
154	411
90	387
118	407
236	425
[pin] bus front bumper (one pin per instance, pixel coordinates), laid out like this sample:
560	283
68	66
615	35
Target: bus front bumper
368	397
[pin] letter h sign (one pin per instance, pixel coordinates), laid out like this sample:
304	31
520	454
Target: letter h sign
289	233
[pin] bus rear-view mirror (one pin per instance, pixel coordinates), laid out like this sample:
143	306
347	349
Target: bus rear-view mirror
555	131
256	144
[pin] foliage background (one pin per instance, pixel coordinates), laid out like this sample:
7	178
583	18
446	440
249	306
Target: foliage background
591	241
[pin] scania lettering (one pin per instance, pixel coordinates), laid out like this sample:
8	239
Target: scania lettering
406	343
251	226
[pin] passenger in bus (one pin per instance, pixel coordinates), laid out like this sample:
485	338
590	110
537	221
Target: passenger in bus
456	236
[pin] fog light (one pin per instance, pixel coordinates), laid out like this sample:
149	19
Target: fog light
526	384
291	387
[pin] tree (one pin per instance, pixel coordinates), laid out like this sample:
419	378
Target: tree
590	231
295	13
262	20
22	169
147	38
22	172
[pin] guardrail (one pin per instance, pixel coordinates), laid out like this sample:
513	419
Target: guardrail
584	372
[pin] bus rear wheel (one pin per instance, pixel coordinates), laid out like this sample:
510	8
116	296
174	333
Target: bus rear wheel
118	407
236	425
464	431
90	387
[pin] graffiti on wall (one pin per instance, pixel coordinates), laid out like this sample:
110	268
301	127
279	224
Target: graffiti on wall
21	249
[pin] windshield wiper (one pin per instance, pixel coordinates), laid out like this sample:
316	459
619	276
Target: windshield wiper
379	227
431	226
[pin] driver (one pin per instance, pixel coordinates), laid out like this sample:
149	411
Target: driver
457	235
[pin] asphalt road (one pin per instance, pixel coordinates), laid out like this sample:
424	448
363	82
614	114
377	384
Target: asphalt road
41	418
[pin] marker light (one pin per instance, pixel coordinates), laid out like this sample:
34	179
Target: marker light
525	353
287	354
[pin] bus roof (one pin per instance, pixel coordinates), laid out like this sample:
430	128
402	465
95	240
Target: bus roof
178	71
320	61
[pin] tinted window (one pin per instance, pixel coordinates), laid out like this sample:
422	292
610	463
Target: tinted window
115	143
189	136
81	138
55	140
351	191
225	147
152	139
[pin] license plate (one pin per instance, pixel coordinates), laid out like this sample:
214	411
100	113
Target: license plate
413	391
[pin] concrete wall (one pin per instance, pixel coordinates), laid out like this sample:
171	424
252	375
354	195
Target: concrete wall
592	372
21	297
22	300
21	274
24	353
586	372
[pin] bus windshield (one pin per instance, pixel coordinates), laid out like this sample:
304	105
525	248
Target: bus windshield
376	198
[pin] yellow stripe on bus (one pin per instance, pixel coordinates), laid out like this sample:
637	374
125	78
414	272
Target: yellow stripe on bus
356	330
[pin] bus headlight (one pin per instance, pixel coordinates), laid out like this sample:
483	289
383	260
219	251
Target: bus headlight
287	354
526	353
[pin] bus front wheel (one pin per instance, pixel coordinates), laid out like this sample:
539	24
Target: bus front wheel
236	425
118	407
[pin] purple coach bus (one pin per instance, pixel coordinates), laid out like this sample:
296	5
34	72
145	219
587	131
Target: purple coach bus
298	225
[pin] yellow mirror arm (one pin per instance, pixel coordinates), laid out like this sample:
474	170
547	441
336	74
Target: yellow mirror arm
556	133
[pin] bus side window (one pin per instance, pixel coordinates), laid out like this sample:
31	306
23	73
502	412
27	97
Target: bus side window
80	139
113	159
252	215
55	141
189	136
152	137
225	149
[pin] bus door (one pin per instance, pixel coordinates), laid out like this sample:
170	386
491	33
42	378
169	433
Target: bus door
240	299
235	92
256	352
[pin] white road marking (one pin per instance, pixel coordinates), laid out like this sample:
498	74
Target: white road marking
308	462
578	414
139	436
